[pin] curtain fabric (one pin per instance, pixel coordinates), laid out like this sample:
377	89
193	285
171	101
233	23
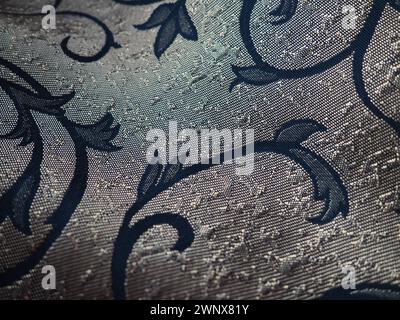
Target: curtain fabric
318	82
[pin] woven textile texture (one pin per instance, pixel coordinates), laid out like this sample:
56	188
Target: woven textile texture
317	80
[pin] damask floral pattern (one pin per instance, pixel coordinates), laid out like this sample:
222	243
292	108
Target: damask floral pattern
173	19
17	200
263	73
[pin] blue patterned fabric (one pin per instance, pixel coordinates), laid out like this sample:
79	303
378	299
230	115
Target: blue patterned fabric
77	193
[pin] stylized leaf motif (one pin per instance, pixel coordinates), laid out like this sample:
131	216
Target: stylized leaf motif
157	176
327	183
71	199
173	19
327	187
32	101
253	75
364	291
158	17
25	101
149	179
286	10
186	27
16	201
165	36
297	132
23	129
99	135
169	173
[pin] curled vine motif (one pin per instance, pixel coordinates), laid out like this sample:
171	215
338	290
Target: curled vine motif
157	178
172	18
263	73
109	41
16	201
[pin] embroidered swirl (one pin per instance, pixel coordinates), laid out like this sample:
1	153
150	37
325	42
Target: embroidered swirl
157	178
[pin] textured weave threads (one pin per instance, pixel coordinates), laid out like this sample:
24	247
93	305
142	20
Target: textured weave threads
205	66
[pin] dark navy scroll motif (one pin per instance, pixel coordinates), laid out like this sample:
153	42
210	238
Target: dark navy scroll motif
157	178
364	291
16	202
263	73
108	43
172	18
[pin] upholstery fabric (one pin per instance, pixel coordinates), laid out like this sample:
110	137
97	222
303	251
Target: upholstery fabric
77	193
